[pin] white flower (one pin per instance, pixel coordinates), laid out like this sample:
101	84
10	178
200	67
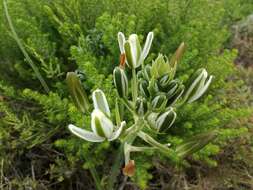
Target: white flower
131	47
100	102
102	127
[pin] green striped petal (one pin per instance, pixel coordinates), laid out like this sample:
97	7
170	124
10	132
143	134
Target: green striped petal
84	134
165	120
147	46
199	83
100	102
121	41
120	82
100	124
117	133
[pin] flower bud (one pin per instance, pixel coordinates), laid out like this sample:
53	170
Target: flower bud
77	92
120	82
143	86
164	82
153	87
152	119
165	120
141	106
172	87
147	72
175	92
140	75
133	51
135	56
197	85
176	58
159	102
160	67
121	41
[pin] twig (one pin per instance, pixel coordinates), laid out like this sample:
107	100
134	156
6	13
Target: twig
20	45
2	174
33	173
123	183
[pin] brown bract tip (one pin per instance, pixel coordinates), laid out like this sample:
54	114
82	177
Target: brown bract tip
129	168
122	60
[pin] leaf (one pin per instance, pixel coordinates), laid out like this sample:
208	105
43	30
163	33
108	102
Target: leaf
195	143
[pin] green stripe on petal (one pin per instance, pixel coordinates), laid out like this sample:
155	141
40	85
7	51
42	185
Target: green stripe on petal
100	124
129	55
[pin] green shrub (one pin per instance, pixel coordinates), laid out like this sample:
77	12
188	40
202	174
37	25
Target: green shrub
70	35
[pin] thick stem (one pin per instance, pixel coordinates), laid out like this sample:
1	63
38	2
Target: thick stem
115	170
120	156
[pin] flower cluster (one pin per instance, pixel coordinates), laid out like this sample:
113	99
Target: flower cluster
151	93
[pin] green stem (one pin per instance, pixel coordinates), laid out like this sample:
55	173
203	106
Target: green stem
154	143
117	163
94	174
129	138
29	60
96	178
116	168
134	86
120	156
2	174
128	105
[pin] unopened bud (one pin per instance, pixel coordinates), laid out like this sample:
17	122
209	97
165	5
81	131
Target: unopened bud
77	92
165	120
120	82
159	102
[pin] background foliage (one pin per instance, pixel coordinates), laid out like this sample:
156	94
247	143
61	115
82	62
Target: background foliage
38	151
